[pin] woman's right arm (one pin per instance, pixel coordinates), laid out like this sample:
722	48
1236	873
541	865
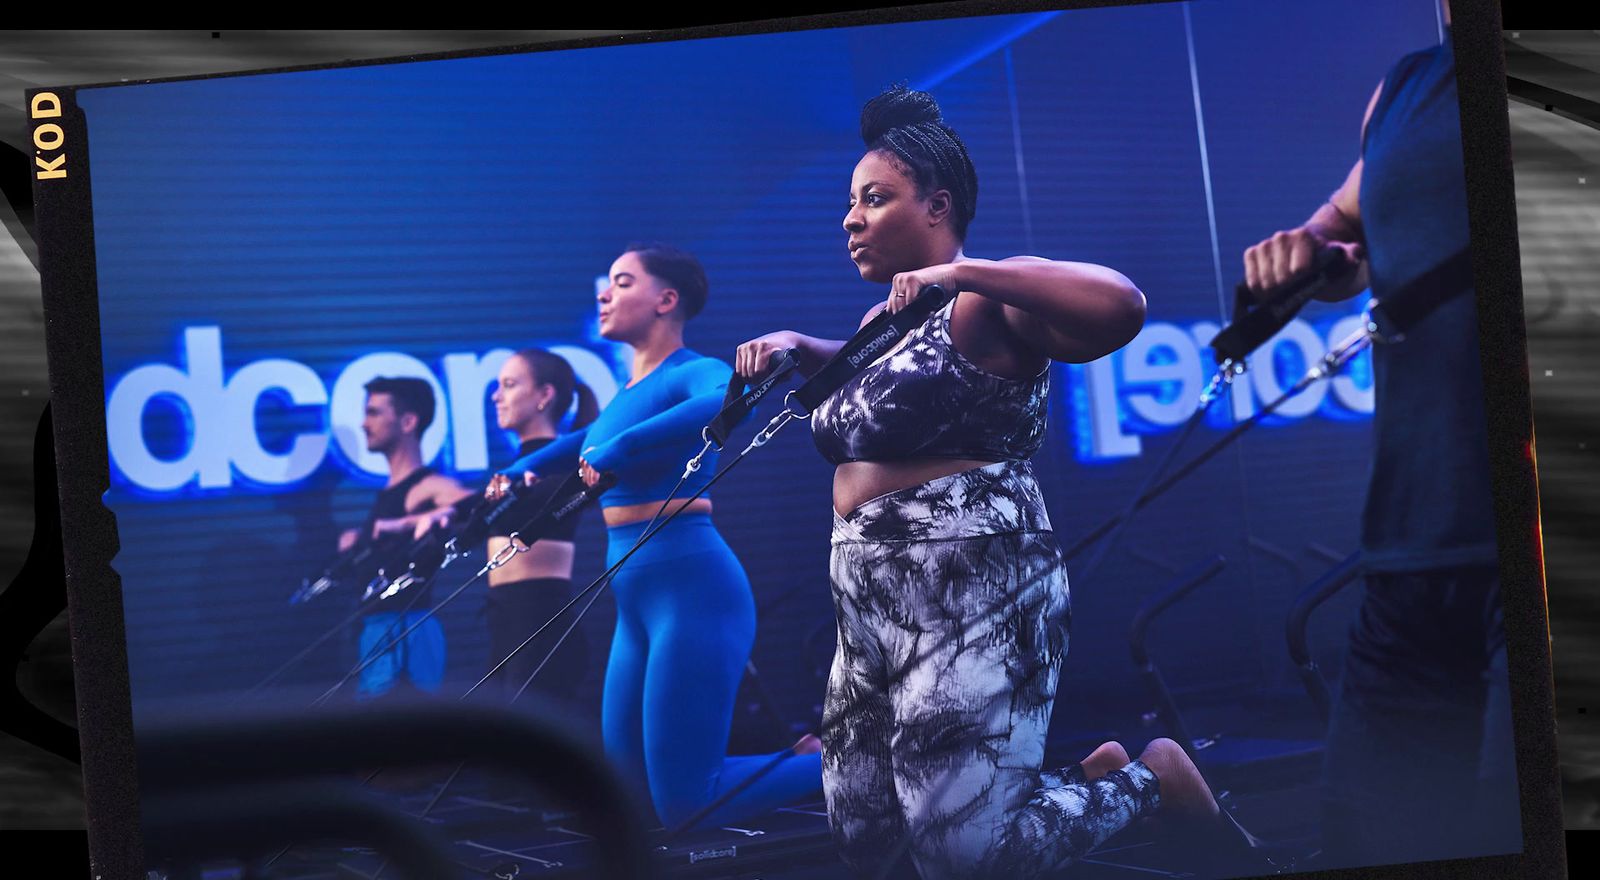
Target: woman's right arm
750	359
552	458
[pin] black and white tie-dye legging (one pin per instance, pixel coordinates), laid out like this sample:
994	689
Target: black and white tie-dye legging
953	617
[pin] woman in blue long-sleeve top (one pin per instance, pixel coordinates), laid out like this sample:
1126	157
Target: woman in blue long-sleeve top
685	614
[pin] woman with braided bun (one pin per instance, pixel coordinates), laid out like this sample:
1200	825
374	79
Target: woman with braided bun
948	583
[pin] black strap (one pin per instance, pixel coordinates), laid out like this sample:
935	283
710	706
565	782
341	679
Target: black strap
741	398
423	559
1394	315
494	515
860	350
397	554
354	568
563	505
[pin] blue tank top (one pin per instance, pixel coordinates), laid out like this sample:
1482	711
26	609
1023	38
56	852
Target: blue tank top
926	400
646	433
1429	502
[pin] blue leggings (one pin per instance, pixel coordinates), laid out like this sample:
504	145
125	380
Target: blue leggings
685	624
417	660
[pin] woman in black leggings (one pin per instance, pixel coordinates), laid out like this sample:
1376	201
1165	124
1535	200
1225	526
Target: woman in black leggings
536	388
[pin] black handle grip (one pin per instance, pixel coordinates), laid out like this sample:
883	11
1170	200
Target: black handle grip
1253	326
1328	264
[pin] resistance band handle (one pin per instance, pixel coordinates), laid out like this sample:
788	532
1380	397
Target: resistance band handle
1253	326
741	398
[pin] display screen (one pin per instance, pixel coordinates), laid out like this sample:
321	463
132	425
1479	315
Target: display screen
264	246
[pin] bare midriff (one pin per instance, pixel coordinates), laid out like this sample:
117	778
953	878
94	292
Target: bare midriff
857	482
626	514
542	559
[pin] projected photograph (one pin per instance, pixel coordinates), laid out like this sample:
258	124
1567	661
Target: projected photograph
1035	444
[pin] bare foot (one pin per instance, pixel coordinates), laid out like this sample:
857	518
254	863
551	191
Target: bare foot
1108	757
808	745
1184	793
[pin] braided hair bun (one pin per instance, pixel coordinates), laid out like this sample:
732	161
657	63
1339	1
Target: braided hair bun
908	124
898	106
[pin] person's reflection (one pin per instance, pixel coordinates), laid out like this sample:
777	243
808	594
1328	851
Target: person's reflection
1419	759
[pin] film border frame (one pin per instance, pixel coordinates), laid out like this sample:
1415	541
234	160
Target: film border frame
73	343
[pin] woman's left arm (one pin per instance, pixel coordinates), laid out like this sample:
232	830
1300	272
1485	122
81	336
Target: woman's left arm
699	387
1072	312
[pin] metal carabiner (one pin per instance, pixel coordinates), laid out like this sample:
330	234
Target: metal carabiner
695	463
788	401
765	434
513	547
1372	326
1227	371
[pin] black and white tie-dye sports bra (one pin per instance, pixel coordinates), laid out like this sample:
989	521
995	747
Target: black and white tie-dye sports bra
925	400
